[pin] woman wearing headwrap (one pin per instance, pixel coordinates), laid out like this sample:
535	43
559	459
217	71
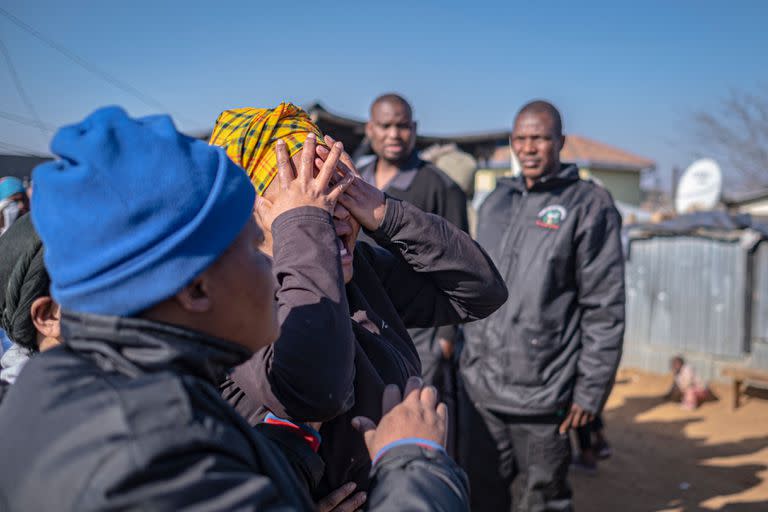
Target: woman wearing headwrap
28	314
346	338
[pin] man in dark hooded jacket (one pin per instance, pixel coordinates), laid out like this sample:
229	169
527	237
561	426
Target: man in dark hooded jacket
164	292
545	361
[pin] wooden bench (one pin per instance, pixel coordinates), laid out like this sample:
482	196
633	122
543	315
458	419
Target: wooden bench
741	375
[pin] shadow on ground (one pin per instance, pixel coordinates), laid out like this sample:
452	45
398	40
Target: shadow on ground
656	467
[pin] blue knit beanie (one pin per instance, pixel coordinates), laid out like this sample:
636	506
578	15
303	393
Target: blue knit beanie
133	211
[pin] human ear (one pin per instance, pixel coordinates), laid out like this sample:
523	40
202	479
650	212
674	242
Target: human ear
195	297
46	316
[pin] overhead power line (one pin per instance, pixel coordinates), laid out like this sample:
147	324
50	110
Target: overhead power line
25	120
94	69
20	89
21	150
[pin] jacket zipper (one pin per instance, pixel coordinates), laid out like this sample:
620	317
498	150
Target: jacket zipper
513	228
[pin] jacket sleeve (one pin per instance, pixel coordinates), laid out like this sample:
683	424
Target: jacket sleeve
454	210
600	281
413	478
308	373
434	273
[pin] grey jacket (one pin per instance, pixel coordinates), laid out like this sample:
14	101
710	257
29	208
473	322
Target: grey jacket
558	338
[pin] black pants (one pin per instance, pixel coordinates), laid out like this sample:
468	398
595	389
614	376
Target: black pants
443	376
502	452
442	373
584	433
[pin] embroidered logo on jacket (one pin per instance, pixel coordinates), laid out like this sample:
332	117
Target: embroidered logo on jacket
551	217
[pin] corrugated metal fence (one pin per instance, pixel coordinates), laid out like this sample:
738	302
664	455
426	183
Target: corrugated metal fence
759	334
705	297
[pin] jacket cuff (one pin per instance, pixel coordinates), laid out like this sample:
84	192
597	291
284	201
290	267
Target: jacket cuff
408	441
308	434
583	400
393	218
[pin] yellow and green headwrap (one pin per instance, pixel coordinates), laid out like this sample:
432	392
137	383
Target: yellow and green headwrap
249	136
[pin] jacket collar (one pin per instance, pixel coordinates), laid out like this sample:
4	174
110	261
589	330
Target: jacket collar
133	346
568	174
404	178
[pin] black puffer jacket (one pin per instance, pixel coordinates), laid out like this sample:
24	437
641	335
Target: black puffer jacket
126	415
558	338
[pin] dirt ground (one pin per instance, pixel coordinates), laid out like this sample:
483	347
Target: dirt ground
668	459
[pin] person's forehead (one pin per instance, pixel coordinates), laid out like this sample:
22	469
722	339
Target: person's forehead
534	122
390	111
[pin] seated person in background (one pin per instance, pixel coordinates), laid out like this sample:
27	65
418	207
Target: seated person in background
28	314
163	290
426	273
687	388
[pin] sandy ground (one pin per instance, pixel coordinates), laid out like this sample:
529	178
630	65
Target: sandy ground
668	459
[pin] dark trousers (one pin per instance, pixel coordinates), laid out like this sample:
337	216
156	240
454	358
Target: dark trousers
584	433
501	452
443	376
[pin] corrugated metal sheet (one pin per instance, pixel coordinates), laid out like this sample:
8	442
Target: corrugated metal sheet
686	294
760	295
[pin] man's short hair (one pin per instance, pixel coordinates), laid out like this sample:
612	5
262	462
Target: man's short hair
543	107
392	97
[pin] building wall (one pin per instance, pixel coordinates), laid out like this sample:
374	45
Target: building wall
623	185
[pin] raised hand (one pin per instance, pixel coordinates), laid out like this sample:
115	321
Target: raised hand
418	415
305	189
364	201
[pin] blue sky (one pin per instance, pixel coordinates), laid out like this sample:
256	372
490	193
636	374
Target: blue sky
628	74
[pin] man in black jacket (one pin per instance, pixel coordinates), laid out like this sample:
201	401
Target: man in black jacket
160	300
398	171
545	362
